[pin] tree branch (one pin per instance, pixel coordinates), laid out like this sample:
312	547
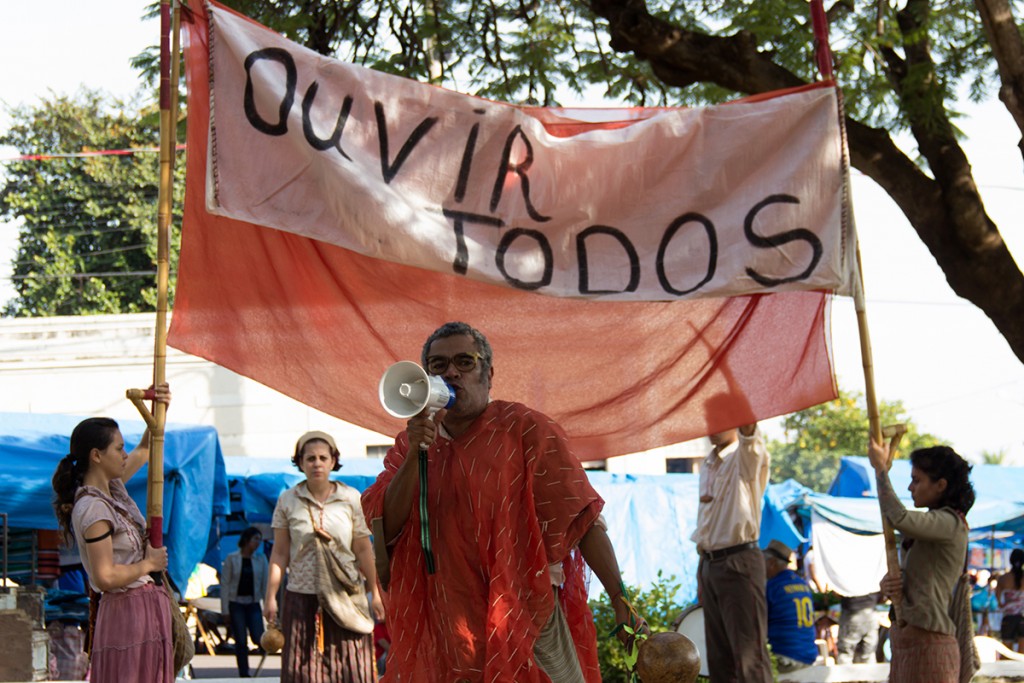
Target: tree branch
1008	50
680	57
946	212
923	103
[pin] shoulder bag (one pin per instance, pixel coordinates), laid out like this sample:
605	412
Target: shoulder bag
340	589
182	643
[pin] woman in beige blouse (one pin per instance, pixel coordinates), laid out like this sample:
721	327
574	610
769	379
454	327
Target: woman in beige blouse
317	648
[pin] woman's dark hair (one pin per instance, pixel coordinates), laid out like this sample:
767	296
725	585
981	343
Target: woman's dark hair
95	432
248	535
942	462
1017	566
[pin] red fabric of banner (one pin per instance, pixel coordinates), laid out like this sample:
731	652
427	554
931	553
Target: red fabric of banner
322	324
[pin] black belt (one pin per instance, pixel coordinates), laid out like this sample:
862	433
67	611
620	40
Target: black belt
731	550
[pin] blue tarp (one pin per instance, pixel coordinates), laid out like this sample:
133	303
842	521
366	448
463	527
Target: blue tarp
260	481
650	518
856	478
863	515
195	483
254	485
852	501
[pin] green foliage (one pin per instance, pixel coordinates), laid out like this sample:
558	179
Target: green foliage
87	236
817	437
994	457
866	44
659	606
536	52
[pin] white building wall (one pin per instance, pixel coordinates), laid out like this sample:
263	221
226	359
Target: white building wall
82	365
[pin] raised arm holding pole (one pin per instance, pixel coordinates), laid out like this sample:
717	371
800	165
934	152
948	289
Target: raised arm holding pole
156	419
874	421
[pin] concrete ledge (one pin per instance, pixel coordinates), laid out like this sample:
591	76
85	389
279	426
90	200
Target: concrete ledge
990	672
871	673
846	673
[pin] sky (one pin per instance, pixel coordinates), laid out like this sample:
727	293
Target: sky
936	353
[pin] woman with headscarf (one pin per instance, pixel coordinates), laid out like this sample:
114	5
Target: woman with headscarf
319	511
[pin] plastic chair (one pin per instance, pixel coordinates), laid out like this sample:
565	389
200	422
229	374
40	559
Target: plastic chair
991	650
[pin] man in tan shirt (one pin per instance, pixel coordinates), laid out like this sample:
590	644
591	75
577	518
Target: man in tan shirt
731	573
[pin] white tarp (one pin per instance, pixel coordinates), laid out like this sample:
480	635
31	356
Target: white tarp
848	563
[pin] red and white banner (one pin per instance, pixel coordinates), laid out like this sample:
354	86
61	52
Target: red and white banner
663	204
367	260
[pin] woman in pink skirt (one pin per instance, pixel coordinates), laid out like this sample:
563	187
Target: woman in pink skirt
924	643
132	636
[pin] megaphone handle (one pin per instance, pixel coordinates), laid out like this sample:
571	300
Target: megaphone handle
428	550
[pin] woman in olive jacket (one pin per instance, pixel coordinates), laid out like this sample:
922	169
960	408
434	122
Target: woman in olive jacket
924	644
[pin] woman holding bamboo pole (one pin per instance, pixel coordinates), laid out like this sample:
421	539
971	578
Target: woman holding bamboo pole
924	643
131	640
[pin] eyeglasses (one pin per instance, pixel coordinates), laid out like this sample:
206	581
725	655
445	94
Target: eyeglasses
463	362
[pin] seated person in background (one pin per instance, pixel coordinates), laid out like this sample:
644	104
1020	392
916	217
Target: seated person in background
858	629
790	611
72	575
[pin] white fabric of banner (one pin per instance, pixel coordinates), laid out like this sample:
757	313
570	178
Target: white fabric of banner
620	204
848	563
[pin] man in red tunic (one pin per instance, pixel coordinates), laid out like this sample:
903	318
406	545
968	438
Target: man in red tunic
512	518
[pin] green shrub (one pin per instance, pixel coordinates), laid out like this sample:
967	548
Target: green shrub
659	605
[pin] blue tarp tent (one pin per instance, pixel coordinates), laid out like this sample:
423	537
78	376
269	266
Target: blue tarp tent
254	485
650	521
650	518
195	484
999	489
259	481
852	506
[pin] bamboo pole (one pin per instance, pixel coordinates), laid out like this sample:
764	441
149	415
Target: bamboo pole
819	19
156	419
874	419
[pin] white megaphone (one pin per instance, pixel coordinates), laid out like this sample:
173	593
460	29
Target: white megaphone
406	389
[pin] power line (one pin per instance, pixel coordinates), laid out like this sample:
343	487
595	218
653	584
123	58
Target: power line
101	195
898	302
83	276
113	250
131	151
1013	188
1002	187
88	254
84	219
907	302
98	232
959	397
